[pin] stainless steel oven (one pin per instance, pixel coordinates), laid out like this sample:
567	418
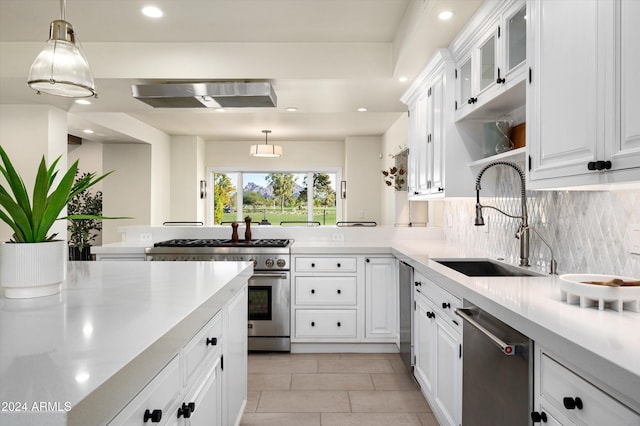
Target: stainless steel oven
269	286
270	311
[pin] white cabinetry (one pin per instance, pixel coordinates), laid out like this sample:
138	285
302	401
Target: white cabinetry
581	110
438	349
205	384
344	301
435	148
381	298
325	299
563	397
491	63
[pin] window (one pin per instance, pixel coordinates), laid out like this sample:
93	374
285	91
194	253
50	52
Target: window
276	198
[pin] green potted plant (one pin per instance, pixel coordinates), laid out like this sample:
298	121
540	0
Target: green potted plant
33	262
82	232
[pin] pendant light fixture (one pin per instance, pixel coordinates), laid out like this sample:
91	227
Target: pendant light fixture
265	150
61	69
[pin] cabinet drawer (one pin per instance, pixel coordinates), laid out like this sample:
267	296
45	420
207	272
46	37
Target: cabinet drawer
445	302
326	290
598	408
325	264
160	395
204	345
325	323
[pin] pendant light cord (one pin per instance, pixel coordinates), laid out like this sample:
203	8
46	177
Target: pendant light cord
63	8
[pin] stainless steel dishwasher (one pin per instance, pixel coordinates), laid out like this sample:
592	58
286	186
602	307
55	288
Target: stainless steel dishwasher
497	371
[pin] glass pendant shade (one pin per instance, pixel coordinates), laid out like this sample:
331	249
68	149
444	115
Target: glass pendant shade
61	68
265	150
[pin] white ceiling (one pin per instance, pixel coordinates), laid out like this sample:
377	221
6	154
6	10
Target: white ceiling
325	57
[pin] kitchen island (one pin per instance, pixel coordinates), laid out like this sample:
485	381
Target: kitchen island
81	356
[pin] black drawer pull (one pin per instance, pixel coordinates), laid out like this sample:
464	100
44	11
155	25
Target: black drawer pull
155	416
446	305
338	265
338	323
538	417
572	403
339	291
418	283
313	324
186	410
313	291
431	315
212	341
313	265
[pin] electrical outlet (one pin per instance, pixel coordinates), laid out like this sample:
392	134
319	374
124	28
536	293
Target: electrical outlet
146	238
635	239
337	237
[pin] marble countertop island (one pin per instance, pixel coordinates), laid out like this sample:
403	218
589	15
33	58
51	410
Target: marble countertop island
77	357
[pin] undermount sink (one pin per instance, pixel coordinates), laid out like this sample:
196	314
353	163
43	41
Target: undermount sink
484	268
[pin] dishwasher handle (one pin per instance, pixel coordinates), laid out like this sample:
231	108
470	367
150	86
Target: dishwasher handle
506	348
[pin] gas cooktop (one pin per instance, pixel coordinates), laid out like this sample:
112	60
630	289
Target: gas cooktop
186	242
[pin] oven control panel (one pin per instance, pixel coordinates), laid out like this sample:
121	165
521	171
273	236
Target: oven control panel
260	262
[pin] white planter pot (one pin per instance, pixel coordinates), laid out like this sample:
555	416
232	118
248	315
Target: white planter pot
32	269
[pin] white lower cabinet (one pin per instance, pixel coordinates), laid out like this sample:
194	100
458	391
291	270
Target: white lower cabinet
344	300
437	345
205	383
563	397
381	297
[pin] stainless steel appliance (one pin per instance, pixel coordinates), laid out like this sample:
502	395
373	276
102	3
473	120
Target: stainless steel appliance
269	287
497	371
406	313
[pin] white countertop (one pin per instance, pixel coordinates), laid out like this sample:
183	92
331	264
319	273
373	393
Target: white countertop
72	349
604	345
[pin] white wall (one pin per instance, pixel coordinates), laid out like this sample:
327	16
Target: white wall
187	170
363	176
393	141
27	133
126	192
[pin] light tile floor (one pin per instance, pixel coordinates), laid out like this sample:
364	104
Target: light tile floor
333	390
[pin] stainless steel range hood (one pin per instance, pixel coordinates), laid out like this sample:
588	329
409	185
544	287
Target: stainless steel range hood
225	94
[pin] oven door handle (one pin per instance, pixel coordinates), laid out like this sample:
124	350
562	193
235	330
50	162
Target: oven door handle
282	276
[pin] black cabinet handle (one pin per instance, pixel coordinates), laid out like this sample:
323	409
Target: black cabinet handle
418	283
313	324
599	165
538	417
212	341
186	410
472	100
572	403
313	265
339	291
431	315
500	80
446	305
416	193
369	260
155	416
313	291
338	265
338	324
440	189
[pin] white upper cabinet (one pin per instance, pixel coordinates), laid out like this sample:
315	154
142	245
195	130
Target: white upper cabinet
435	148
491	63
581	111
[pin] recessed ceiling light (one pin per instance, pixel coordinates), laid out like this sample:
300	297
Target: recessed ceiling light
88	131
445	15
291	109
403	79
152	12
362	109
83	102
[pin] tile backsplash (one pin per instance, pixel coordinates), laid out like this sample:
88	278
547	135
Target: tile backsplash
589	231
